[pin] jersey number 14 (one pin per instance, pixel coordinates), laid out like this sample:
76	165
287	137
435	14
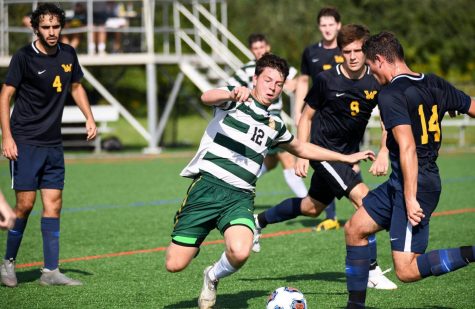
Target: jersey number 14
431	126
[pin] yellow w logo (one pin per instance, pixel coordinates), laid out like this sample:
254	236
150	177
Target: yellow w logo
66	67
370	95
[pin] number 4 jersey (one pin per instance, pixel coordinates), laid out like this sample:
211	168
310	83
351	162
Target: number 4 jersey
236	141
419	101
42	83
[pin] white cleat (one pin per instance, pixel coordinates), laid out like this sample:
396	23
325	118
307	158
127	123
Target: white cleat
377	280
7	271
256	246
208	291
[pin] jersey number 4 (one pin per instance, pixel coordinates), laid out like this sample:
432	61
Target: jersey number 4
431	126
57	84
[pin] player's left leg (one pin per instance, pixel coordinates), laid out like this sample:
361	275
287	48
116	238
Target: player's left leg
357	263
294	182
51	188
410	242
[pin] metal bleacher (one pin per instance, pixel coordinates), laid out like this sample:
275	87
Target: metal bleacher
191	34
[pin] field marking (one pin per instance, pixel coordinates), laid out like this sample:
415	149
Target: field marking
214	242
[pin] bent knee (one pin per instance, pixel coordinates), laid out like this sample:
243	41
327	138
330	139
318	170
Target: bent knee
406	275
174	266
239	254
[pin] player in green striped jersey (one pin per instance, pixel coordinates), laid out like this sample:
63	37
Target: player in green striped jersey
225	169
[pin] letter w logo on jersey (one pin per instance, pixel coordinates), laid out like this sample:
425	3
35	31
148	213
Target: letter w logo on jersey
66	67
370	95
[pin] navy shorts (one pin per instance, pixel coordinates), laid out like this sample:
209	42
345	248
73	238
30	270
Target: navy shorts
38	167
386	206
332	179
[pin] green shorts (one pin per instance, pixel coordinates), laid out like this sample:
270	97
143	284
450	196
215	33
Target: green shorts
211	203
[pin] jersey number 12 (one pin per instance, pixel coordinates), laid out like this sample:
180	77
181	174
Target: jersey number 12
431	126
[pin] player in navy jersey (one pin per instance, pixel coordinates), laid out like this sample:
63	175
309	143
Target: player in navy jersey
338	108
40	76
412	107
317	58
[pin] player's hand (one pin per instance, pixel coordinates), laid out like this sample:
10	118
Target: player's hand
359	156
91	130
240	94
452	114
380	166
301	167
7	216
9	148
415	214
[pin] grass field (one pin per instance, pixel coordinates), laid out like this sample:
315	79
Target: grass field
117	218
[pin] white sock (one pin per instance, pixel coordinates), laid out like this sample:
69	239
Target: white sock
262	171
221	269
295	183
101	47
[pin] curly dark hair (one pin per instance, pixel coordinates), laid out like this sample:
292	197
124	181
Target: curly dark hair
385	44
274	62
47	9
256	37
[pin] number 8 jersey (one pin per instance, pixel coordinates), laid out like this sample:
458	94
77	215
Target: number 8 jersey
42	83
419	101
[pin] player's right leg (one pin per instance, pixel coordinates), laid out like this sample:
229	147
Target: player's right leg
23	172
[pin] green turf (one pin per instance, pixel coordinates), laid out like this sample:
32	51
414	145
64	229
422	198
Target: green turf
121	206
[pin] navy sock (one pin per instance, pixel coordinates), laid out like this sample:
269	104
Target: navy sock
50	232
15	235
286	210
373	251
357	265
439	262
331	210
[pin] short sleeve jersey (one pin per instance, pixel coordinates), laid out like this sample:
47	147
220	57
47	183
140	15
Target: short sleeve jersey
343	107
316	59
243	77
421	102
236	141
42	83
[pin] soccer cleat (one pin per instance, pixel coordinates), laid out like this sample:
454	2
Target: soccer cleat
377	280
208	291
256	246
7	270
328	224
55	277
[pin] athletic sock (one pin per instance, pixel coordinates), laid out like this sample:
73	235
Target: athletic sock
50	232
373	251
15	235
286	210
330	210
357	264
439	262
295	183
221	269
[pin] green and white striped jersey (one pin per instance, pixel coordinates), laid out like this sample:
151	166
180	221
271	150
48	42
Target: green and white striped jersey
243	77
236	141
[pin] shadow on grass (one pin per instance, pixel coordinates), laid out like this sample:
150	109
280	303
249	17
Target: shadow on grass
321	276
237	300
35	274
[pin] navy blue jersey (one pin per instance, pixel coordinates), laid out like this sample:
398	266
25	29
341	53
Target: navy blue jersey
421	102
42	83
316	59
343	107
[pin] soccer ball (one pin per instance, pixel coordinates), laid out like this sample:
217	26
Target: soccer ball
286	298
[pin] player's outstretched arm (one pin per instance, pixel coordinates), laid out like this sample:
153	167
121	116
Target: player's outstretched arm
301	90
219	96
7	216
9	149
471	110
317	153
